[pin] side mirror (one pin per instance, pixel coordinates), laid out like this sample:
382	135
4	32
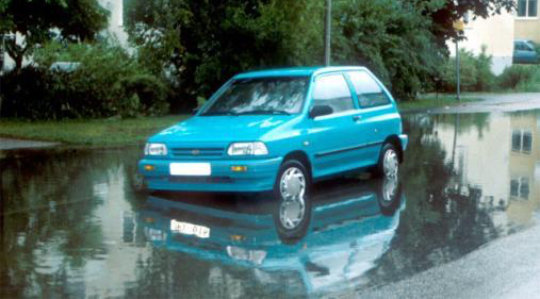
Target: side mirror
320	110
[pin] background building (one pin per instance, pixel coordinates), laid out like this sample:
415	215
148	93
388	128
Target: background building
527	20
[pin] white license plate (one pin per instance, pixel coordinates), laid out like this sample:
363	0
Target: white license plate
196	169
187	228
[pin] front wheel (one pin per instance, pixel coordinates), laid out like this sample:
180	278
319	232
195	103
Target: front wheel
291	191
388	165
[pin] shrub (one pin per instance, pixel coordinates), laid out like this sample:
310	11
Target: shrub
106	83
485	79
24	94
151	91
475	72
520	77
513	75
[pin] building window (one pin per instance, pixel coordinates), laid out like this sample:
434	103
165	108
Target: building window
521	141
527	8
519	188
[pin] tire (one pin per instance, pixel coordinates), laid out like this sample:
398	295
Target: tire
389	195
292	213
388	164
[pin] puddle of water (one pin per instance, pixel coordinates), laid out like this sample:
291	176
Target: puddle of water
72	224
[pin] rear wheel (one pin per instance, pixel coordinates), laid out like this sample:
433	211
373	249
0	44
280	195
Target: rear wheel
388	165
291	190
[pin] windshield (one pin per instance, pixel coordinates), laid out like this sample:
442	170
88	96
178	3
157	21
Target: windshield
270	95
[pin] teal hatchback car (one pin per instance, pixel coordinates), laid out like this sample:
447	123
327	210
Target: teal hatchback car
280	130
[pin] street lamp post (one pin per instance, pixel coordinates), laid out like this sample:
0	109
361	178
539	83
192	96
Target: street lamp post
327	32
458	83
459	26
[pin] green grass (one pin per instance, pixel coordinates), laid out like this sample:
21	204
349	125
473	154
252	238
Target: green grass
429	101
100	133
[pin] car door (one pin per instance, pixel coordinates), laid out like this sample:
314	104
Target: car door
524	53
518	52
530	53
334	138
377	118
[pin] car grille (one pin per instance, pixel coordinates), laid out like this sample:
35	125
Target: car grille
197	152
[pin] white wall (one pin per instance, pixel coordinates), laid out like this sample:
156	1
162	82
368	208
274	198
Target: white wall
115	30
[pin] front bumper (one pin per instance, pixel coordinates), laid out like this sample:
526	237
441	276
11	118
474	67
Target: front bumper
260	176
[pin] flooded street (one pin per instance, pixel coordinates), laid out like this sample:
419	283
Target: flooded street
73	224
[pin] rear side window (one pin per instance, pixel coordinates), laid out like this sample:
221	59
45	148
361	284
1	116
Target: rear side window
332	90
369	92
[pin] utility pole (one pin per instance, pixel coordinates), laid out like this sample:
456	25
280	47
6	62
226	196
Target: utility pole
2	58
457	72
327	32
459	26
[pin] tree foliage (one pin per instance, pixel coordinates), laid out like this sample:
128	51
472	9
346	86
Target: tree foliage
200	44
391	38
34	20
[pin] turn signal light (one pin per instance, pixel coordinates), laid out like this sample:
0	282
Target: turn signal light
237	238
239	168
149	167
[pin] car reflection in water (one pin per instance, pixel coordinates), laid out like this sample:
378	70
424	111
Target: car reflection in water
349	226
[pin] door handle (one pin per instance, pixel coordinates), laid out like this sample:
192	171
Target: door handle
357	117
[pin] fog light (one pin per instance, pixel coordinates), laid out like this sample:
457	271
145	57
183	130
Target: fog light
239	168
149	167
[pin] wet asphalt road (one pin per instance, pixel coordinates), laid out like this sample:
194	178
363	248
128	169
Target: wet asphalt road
72	224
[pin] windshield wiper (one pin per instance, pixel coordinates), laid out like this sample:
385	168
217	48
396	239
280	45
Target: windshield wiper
274	112
219	113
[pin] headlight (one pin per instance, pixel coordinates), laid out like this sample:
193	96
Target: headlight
247	148
155	149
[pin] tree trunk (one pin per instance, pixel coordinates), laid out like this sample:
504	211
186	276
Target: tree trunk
18	62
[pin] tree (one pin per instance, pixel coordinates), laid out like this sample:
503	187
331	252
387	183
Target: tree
391	38
443	13
35	21
203	43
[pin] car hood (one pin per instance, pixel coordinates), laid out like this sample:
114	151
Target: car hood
222	128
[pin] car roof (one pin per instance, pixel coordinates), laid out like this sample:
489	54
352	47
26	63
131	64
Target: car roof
295	71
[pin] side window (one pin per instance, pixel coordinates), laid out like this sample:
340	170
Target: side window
332	90
369	93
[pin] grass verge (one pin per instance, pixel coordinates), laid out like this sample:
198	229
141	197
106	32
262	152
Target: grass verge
100	133
123	132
